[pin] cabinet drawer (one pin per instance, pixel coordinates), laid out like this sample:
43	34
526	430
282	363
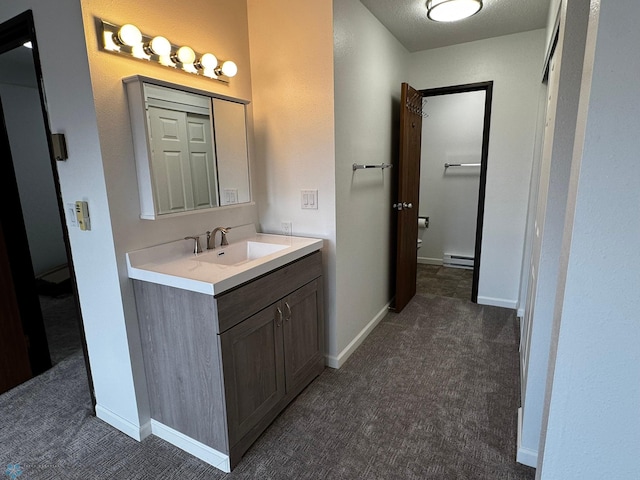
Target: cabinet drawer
245	300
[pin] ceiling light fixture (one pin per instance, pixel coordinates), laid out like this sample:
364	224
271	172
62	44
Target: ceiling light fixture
130	41
452	10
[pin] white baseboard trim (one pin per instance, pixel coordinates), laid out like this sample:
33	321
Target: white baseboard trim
338	361
430	261
137	432
145	430
199	450
525	456
520	313
498	302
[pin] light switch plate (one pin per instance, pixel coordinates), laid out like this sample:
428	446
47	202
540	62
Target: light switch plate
309	199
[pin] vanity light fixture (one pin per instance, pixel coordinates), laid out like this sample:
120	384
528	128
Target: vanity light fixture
452	10
228	69
158	46
128	40
128	35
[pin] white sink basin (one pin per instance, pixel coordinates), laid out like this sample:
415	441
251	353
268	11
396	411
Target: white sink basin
248	255
239	253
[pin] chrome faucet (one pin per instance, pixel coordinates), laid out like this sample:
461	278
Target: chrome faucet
196	244
211	237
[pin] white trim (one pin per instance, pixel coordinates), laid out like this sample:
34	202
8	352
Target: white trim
498	302
145	430
430	261
525	456
189	445
137	432
337	361
521	313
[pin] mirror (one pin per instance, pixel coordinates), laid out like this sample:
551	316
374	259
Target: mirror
190	148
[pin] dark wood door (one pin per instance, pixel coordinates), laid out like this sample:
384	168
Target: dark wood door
15	367
21	325
253	365
303	333
408	193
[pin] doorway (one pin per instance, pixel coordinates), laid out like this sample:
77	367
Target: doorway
454	151
36	243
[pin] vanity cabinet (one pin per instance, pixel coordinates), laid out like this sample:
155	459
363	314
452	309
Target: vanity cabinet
221	368
270	357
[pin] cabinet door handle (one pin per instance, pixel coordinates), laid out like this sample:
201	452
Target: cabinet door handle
288	317
279	319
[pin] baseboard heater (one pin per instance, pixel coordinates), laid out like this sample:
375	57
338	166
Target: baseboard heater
457	261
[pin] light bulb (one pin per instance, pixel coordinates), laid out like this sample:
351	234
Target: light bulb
184	55
208	61
229	68
129	35
158	46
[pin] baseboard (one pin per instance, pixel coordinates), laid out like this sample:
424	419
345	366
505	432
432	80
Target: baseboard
137	432
498	302
145	430
520	313
430	261
525	456
338	361
199	450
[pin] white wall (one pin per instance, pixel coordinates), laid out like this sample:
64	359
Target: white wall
593	390
369	69
514	63
292	70
452	133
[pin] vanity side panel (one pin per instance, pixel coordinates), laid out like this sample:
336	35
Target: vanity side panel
182	361
248	299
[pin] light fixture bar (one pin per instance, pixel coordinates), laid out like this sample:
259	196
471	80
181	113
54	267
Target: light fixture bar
129	41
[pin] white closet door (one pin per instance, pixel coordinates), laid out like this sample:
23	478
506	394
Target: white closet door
201	161
170	159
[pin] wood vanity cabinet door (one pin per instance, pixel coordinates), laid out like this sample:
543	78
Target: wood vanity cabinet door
303	335
252	359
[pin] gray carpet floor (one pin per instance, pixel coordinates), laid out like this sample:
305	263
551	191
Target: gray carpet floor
60	319
431	394
444	281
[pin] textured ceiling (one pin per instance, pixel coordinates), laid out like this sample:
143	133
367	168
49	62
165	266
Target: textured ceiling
407	20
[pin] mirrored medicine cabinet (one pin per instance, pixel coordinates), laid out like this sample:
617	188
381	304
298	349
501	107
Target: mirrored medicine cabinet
190	148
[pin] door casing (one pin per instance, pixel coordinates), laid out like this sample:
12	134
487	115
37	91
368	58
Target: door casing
488	89
14	33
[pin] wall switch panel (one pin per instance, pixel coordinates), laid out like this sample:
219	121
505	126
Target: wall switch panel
309	199
82	215
71	214
230	196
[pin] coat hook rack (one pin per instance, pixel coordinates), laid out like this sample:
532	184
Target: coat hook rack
361	167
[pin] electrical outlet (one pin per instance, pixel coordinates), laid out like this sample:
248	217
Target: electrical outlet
286	228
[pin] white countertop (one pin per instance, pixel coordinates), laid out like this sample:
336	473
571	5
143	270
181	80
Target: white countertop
175	265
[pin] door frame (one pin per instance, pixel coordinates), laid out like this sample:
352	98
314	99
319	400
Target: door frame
487	87
14	33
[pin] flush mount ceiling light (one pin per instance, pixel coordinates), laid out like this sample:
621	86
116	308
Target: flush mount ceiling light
129	40
452	10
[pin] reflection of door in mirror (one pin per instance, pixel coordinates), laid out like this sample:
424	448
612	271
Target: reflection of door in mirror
190	148
182	159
